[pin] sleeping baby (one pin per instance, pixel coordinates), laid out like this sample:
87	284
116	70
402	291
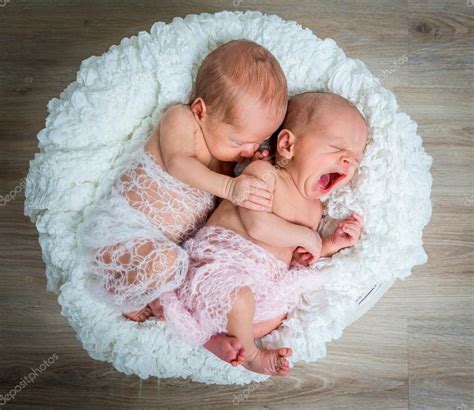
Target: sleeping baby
130	240
247	268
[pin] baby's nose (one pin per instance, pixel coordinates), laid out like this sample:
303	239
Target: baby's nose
348	159
247	152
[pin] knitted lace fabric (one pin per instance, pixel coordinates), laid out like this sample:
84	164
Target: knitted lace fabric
222	261
130	239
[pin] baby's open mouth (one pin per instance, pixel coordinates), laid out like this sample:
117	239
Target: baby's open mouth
327	181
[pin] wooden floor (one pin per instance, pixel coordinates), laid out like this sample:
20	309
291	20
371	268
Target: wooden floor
413	350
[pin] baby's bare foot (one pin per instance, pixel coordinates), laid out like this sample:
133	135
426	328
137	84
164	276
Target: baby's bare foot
157	309
139	315
272	362
227	348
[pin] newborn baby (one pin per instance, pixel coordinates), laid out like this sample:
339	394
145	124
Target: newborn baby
131	238
240	281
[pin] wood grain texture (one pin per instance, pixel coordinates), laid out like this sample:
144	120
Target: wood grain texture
450	342
412	350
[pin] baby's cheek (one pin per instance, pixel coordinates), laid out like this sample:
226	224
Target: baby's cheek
350	176
226	153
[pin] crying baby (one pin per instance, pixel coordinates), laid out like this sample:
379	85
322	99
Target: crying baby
248	269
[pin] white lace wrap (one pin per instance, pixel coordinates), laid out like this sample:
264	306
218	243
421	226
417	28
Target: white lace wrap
130	239
102	118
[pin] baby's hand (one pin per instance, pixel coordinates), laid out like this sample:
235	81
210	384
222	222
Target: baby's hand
262	155
347	232
251	193
310	252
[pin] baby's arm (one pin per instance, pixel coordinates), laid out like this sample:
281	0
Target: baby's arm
270	228
178	148
346	234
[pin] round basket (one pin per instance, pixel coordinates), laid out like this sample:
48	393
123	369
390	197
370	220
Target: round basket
103	117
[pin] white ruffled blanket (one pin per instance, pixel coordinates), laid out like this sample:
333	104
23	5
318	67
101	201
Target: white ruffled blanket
108	112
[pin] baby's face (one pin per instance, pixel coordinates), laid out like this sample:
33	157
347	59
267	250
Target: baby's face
329	152
234	142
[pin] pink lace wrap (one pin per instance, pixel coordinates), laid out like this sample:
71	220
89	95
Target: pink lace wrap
220	262
130	240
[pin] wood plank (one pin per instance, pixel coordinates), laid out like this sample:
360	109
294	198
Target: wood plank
412	350
441	359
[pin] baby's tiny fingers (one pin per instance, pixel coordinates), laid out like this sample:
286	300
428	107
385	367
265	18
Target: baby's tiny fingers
358	217
259	183
259	200
353	233
352	224
252	206
351	219
263	193
348	230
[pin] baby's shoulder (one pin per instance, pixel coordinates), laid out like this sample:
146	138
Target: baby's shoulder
259	168
177	118
263	170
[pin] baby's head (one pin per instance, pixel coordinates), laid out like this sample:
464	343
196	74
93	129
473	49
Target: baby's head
240	99
321	143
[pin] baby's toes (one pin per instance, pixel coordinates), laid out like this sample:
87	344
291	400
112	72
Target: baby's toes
235	344
241	356
238	360
282	367
238	354
285	352
144	315
283	372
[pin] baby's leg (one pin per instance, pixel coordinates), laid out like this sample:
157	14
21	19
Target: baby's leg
135	272
229	348
240	325
261	329
150	263
139	315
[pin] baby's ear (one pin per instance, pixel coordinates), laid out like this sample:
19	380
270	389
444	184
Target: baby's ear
285	145
199	108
